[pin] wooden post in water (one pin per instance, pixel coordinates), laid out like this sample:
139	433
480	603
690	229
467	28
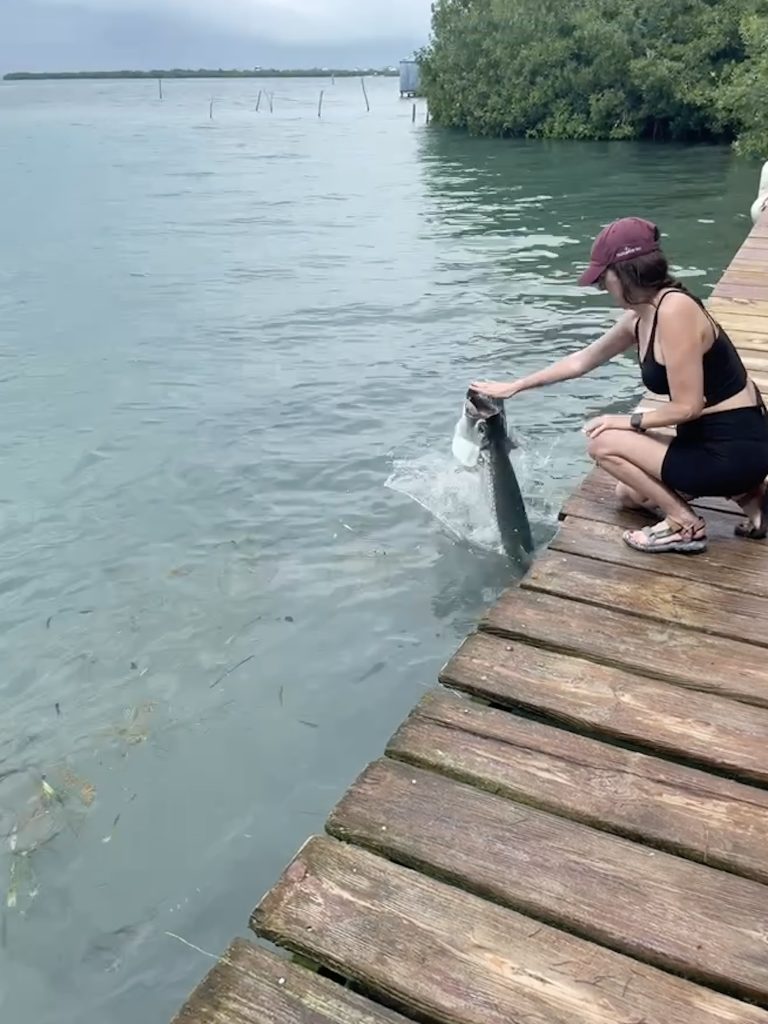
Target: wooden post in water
258	101
160	88
365	95
271	98
426	117
210	110
413	118
320	104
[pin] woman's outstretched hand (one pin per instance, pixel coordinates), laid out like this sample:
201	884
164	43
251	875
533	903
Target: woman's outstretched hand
495	388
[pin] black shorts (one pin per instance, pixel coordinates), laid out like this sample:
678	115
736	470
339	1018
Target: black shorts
721	455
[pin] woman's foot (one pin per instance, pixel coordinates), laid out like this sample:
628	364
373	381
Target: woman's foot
755	505
669	536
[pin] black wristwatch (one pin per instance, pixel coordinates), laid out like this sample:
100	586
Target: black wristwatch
636	422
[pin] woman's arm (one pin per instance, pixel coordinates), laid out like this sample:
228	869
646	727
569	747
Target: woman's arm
680	340
618	339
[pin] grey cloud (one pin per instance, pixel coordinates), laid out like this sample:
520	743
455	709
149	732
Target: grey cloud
284	21
88	34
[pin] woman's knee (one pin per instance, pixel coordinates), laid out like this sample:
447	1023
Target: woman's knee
605	445
598	447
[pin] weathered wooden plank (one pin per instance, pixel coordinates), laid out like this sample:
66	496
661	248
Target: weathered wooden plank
660	650
737	320
730	563
745	316
751	262
751	249
454	958
612	702
720	524
686	811
563	872
646	593
743	276
747	309
252	986
735	290
749	269
753	361
757	245
726	290
750	340
599	486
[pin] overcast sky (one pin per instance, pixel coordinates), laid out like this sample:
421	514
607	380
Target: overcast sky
69	34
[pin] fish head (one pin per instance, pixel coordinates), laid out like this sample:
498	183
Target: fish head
483	422
487	418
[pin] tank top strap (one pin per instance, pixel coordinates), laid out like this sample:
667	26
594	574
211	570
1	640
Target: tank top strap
655	321
715	325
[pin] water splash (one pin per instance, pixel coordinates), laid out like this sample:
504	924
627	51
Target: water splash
460	499
457	497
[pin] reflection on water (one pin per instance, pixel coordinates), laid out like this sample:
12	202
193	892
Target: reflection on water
218	342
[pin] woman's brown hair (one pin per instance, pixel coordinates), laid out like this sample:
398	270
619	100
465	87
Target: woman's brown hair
644	277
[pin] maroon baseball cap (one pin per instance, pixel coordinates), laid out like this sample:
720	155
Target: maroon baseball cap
625	239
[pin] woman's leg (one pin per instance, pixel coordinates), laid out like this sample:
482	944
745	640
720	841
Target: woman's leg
754	504
632	500
635	460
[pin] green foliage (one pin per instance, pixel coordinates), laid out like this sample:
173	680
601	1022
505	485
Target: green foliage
688	70
744	98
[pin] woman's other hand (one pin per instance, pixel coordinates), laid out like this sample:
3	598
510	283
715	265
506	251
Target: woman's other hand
595	427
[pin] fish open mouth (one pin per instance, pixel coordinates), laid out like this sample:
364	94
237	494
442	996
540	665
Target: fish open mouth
481	407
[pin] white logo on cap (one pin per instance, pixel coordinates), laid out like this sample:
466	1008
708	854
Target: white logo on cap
628	250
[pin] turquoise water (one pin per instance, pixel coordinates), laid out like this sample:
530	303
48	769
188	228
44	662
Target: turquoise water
234	550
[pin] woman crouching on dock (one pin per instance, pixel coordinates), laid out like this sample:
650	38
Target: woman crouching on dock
721	444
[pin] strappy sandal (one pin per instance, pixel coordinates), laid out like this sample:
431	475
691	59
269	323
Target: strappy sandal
748	529
669	536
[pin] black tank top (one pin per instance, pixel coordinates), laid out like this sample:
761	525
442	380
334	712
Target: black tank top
724	373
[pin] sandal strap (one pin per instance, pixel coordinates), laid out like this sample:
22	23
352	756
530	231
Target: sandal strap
687	532
663	533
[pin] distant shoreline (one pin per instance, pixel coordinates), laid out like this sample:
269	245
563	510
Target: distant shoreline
38	76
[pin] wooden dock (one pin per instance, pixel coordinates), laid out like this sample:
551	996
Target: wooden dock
572	828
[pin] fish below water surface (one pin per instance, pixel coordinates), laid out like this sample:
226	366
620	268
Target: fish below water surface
481	437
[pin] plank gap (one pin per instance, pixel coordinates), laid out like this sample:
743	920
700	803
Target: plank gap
530	712
508	632
560	898
534	583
